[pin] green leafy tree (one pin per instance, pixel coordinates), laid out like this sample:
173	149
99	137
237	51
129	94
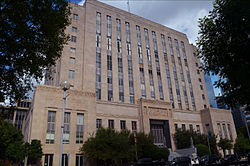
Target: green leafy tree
31	39
242	144
34	151
11	143
147	149
112	147
182	139
223	44
108	146
225	144
202	150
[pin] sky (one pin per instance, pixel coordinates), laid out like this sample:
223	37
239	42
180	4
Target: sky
181	15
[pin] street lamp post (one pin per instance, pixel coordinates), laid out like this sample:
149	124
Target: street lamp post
65	86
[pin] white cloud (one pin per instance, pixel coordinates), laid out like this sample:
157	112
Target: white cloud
81	2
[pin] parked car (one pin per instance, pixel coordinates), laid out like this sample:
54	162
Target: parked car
229	159
181	161
209	160
149	162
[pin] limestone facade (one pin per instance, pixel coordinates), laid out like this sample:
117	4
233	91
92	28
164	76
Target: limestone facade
184	101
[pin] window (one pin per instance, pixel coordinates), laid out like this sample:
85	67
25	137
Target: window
48	160
65	160
98	123
201	87
73	50
123	124
75	16
74	29
199	80
203	97
176	127
225	131
219	130
66	129
134	126
183	127
73	39
72	60
79	160
207	128
198	130
191	127
71	74
111	124
205	106
196	64
79	128
230	132
51	125
198	71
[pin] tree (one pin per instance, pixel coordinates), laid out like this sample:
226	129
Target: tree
108	146
31	40
147	149
225	144
182	139
33	151
112	147
223	44
202	150
11	143
242	144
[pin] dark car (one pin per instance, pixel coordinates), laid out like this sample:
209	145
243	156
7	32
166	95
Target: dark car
181	161
149	162
230	159
209	160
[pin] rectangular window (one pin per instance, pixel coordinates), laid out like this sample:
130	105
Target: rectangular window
48	161
65	160
201	87
207	128
73	39
134	126
72	60
98	123
111	124
98	55
74	29
205	106
73	50
183	127
191	127
203	96
66	129
51	126
198	129
225	131
71	74
123	124
198	71
75	16
79	160
230	132
79	128
176	127
219	130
